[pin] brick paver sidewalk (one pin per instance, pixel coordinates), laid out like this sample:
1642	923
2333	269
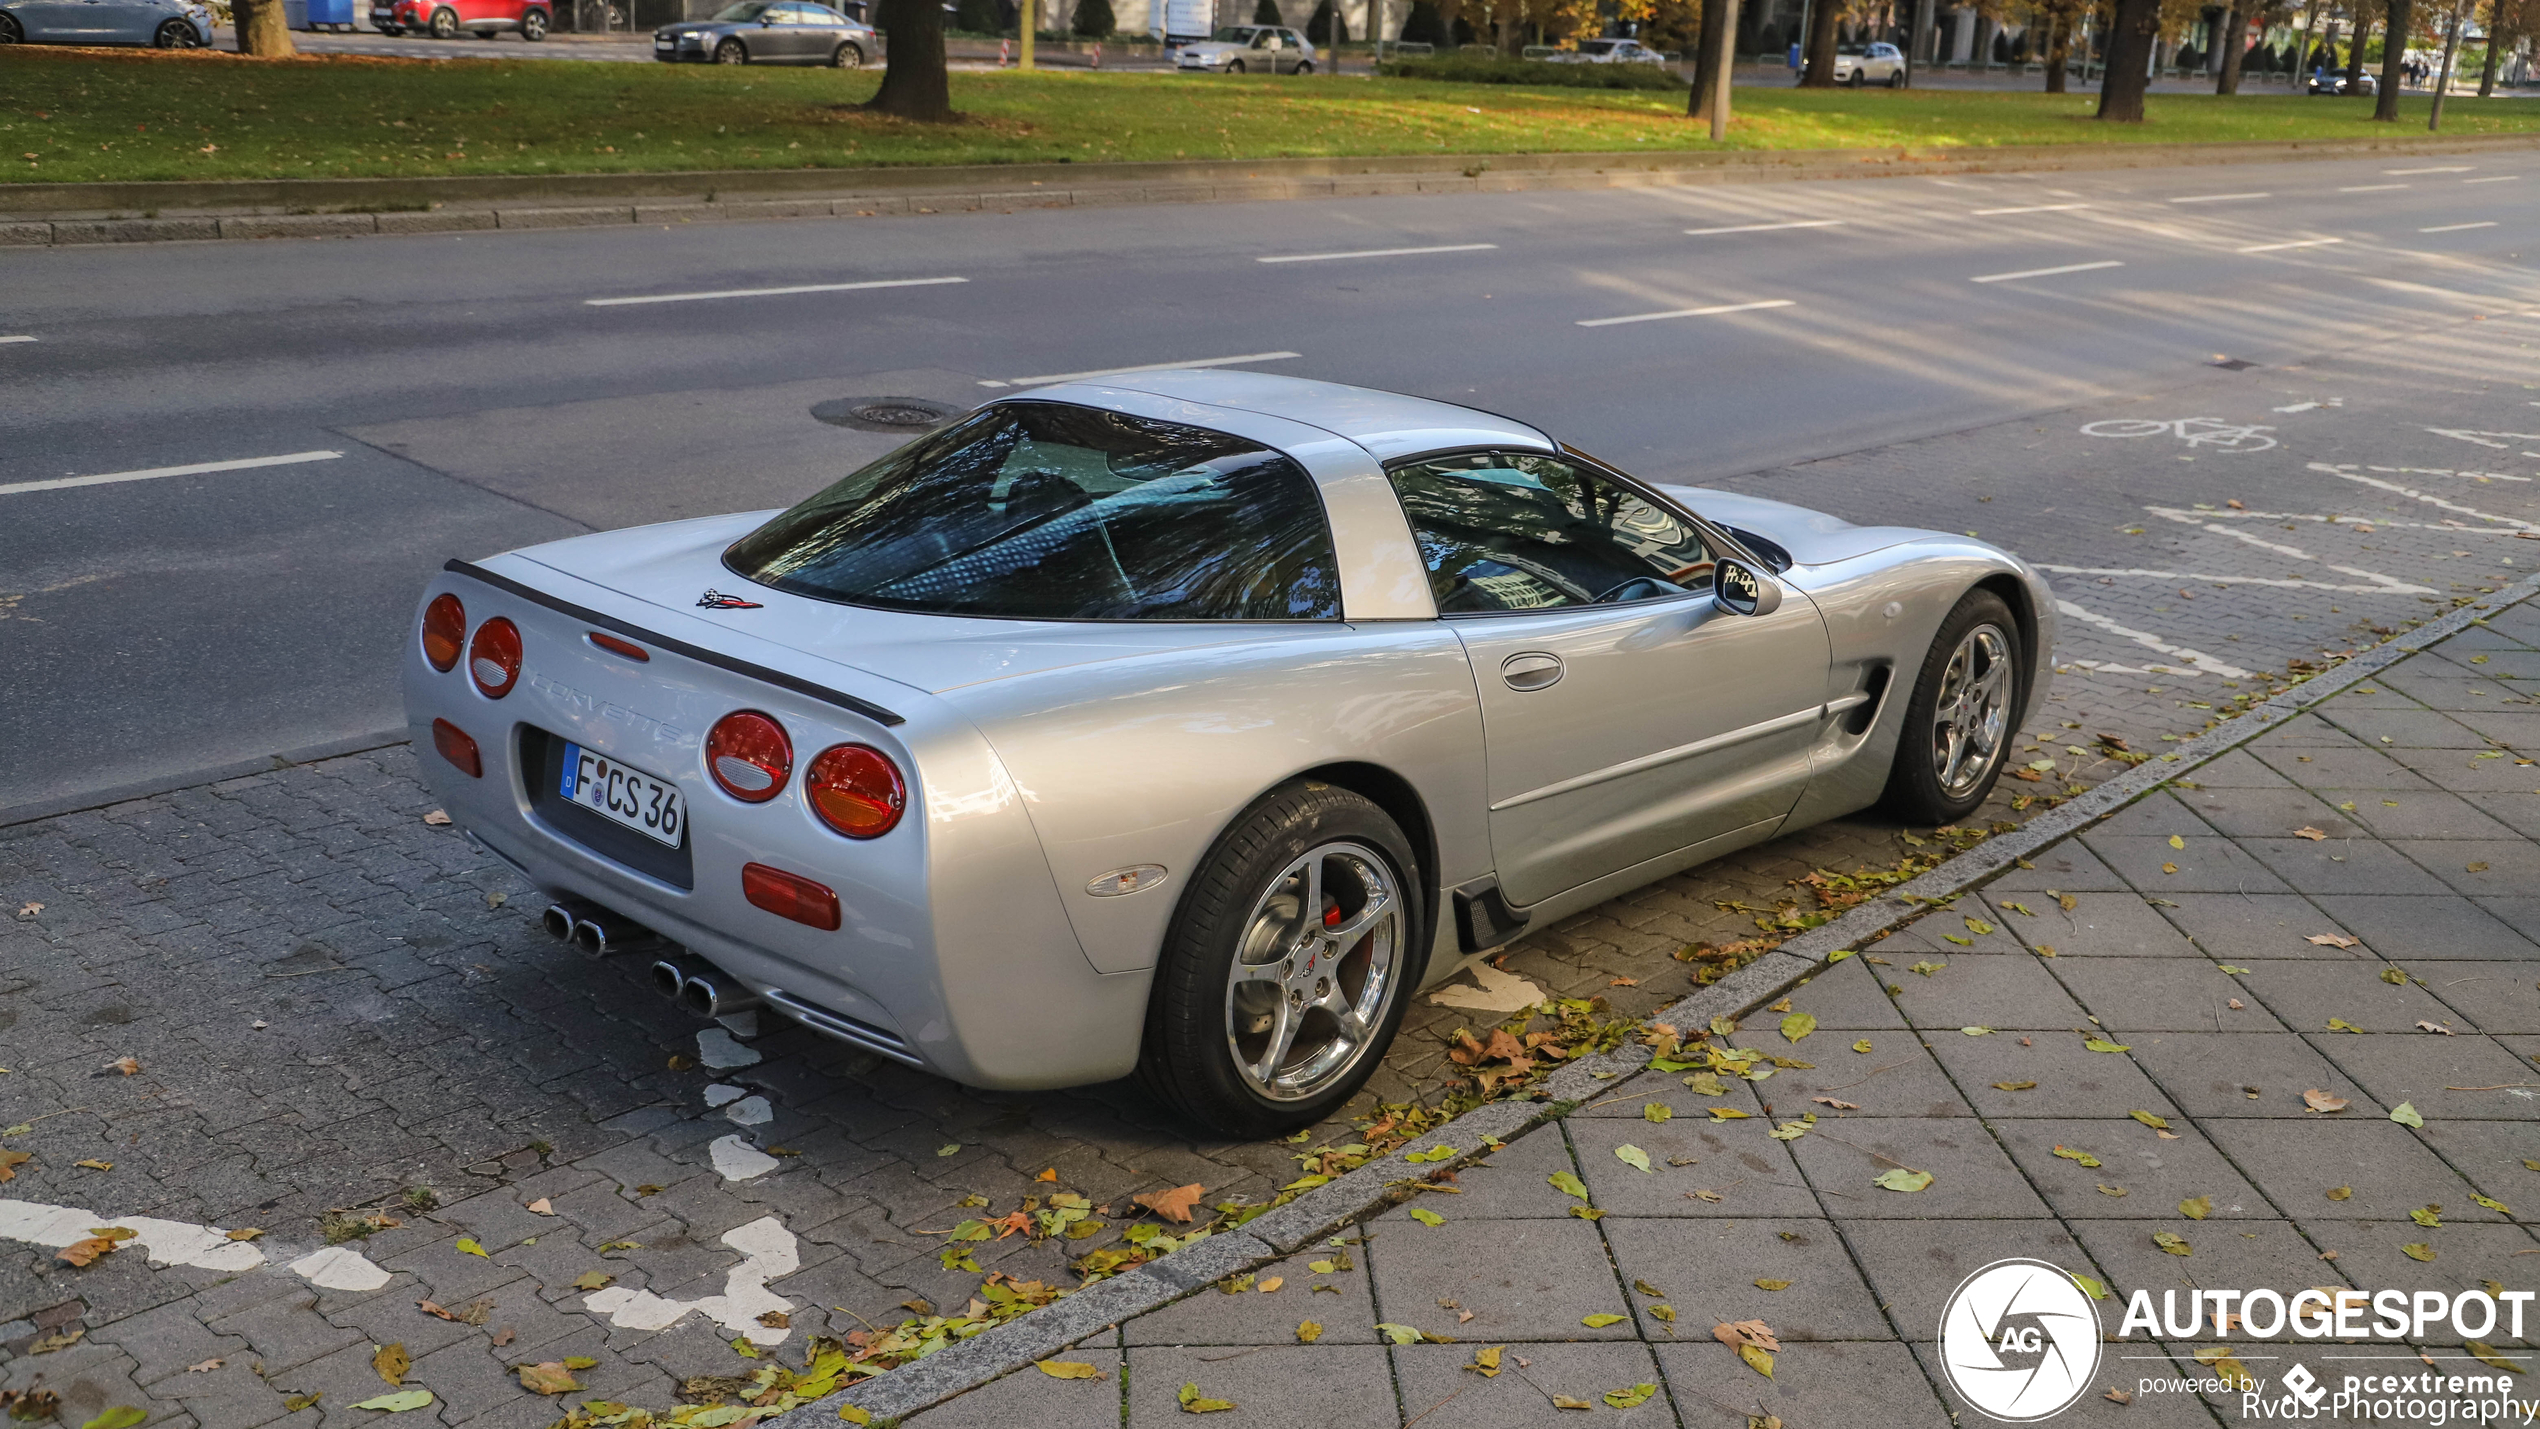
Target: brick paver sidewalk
2348	904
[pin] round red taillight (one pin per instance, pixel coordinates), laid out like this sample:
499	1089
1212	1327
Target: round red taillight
444	631
749	756
493	657
856	789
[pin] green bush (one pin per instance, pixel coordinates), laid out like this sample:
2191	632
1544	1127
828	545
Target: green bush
1266	12
1464	69
1093	19
980	17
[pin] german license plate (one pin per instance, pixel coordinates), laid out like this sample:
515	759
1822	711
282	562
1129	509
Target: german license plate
651	807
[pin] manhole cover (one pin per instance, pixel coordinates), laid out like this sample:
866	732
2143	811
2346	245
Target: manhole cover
885	414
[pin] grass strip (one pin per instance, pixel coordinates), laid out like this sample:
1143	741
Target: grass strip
87	116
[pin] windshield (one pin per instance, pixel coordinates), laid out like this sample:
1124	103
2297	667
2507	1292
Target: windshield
1849	50
1234	34
744	10
1043	510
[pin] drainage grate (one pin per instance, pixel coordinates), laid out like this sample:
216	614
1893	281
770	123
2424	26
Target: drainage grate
885	414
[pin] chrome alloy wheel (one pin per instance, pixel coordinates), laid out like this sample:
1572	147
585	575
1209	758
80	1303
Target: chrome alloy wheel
1319	958
1971	718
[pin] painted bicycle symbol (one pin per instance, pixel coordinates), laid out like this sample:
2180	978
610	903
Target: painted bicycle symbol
2209	432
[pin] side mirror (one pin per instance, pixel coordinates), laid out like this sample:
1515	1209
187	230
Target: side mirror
1742	590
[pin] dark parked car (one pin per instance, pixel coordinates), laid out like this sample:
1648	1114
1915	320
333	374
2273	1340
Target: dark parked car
785	32
2335	83
168	24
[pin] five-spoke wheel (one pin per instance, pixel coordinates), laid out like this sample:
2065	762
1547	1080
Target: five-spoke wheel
1958	723
1289	961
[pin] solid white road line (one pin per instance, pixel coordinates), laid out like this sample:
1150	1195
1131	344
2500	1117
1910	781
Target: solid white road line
2217	198
1047	378
2380	581
2197	658
153	473
2027	208
1691	313
1768	227
2178	576
2046	272
16	339
2456	227
1377	253
2370	188
2296	243
2494	179
769	292
2437	169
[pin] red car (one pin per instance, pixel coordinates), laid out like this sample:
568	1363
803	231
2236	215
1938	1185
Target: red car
443	19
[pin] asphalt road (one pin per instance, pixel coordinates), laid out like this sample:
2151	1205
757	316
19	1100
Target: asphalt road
477	392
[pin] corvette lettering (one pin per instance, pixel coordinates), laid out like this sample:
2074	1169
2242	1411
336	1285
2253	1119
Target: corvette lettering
616	714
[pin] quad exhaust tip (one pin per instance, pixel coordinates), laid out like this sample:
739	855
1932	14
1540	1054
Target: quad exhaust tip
701	987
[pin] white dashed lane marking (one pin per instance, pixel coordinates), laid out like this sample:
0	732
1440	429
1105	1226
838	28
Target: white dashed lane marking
2046	272
21	337
2456	227
153	473
2494	179
2175	577
2027	208
2295	243
1047	378
2217	198
2435	169
2370	188
1767	227
2390	584
1711	312
1377	253
770	292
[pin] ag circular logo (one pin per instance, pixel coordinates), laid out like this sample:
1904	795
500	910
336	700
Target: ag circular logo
2019	1341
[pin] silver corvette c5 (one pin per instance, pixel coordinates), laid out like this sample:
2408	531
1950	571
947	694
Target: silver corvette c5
1187	722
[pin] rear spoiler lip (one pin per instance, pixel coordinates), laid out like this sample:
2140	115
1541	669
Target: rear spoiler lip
778	678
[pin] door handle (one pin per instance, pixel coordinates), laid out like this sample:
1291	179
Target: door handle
1532	670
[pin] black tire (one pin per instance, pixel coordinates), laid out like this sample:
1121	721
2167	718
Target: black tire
1918	790
1245	897
1860	77
177	35
10	34
1896	79
533	25
846	56
731	52
1305	67
445	24
1234	66
392	31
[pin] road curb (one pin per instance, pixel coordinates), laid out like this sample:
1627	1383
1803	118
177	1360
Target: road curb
1105	1304
37	809
48	215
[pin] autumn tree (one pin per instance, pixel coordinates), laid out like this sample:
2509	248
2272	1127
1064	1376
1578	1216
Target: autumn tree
2129	49
2058	21
914	82
2394	53
1818	48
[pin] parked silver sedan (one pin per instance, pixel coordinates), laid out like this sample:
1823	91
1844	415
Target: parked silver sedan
167	24
1248	49
1185	723
796	32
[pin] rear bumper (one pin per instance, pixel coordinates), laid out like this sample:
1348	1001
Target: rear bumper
954	953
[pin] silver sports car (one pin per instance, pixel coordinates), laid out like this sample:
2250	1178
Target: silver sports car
1187	722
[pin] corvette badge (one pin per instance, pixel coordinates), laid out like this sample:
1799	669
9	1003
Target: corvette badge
716	600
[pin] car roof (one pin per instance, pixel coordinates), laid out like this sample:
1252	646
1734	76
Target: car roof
1387	424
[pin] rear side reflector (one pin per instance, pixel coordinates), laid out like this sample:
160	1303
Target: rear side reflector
444	631
749	756
458	748
790	895
493	657
615	646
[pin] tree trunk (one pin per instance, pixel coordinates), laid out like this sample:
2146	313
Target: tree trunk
2355	53
2235	45
1706	60
262	30
2130	38
2394	53
2059	49
2495	42
1820	50
914	84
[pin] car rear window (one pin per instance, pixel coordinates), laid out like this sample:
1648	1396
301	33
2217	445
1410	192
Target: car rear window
1043	510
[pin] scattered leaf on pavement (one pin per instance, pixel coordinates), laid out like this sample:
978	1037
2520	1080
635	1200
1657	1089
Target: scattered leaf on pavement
93	1164
547	1377
1405	1334
1900	1179
1427	1217
2334	940
392	1363
206	1367
1568	1184
2148	1119
122	1416
2172	1242
2405	1113
246	1233
1861	1046
400	1402
2075	1153
1308	1331
2022	1086
2307	832
2492	1204
2341	1193
436	819
2196	1208
2096	1290
2417	1251
542	1207
1797	1025
2318	1100
1067	1369
1632	1398
1563	1401
2102	1044
2340	1024
1633	1157
2107	1190
593	1280
2430	1217
2425	1026
2486	1354
1772	1285
1173	1205
467	1246
1601	1320
84	1252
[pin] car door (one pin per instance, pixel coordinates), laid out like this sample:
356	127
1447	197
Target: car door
1263	57
1625	715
